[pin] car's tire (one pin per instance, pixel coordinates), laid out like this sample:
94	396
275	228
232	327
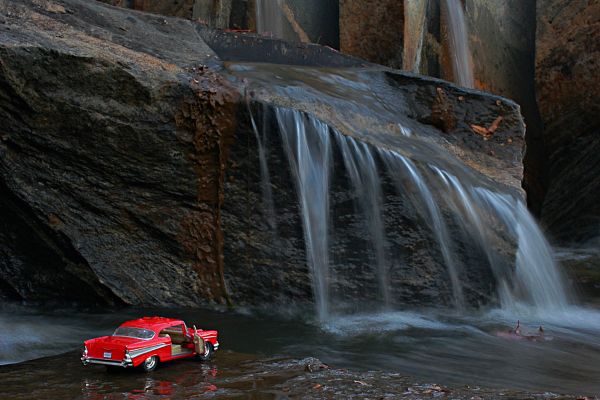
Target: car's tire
208	352
150	364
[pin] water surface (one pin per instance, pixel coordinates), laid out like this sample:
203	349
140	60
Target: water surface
433	346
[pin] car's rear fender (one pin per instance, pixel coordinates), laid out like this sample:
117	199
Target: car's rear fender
161	349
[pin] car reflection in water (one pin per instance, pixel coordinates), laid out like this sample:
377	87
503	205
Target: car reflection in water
187	379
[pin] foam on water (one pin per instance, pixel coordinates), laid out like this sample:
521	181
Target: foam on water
383	322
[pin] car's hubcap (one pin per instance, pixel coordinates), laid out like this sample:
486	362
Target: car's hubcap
206	350
150	361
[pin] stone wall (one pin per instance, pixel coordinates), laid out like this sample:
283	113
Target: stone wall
373	30
567	78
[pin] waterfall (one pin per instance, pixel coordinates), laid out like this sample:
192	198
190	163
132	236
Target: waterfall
458	41
490	223
538	281
307	145
265	176
360	165
269	18
399	166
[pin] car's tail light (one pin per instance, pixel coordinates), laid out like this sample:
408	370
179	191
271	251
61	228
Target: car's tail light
127	356
85	351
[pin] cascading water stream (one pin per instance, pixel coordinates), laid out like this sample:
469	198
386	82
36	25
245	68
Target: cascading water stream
269	18
538	280
492	252
360	165
458	41
471	220
265	176
535	283
396	163
307	144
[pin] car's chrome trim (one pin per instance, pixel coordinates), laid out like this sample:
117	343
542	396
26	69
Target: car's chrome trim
216	345
88	360
139	352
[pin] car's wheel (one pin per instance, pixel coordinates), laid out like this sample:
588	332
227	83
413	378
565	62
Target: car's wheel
150	363
208	351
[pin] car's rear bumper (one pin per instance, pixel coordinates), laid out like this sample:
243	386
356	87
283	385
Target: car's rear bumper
216	346
113	363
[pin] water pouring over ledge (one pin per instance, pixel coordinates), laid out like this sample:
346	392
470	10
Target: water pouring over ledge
269	18
481	213
458	43
485	246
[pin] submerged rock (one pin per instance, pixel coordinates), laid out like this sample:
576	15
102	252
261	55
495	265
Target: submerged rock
229	375
130	172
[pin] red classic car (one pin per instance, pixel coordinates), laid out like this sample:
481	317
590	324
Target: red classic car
147	341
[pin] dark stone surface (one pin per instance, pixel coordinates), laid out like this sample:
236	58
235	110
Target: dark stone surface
228	375
319	19
568	92
372	30
91	147
242	47
502	44
134	171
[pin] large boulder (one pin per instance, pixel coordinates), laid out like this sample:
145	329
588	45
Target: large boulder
568	92
130	172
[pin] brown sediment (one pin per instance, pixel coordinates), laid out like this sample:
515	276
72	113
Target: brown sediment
209	116
442	112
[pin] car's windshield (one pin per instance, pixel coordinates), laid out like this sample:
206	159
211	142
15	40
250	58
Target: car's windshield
138	333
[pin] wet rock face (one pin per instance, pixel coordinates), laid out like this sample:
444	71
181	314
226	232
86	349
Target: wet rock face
229	375
308	21
177	8
372	30
93	154
129	172
502	43
568	92
38	263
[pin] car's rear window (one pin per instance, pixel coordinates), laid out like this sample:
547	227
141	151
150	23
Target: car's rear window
138	333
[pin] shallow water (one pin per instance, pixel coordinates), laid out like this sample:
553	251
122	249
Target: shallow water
428	345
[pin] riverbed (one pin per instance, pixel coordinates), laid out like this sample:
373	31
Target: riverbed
429	346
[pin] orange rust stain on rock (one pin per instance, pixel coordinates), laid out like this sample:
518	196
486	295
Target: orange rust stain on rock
209	115
442	112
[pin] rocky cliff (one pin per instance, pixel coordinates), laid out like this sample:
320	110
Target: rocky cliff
129	170
568	92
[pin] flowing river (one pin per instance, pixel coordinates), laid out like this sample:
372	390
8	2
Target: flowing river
430	345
